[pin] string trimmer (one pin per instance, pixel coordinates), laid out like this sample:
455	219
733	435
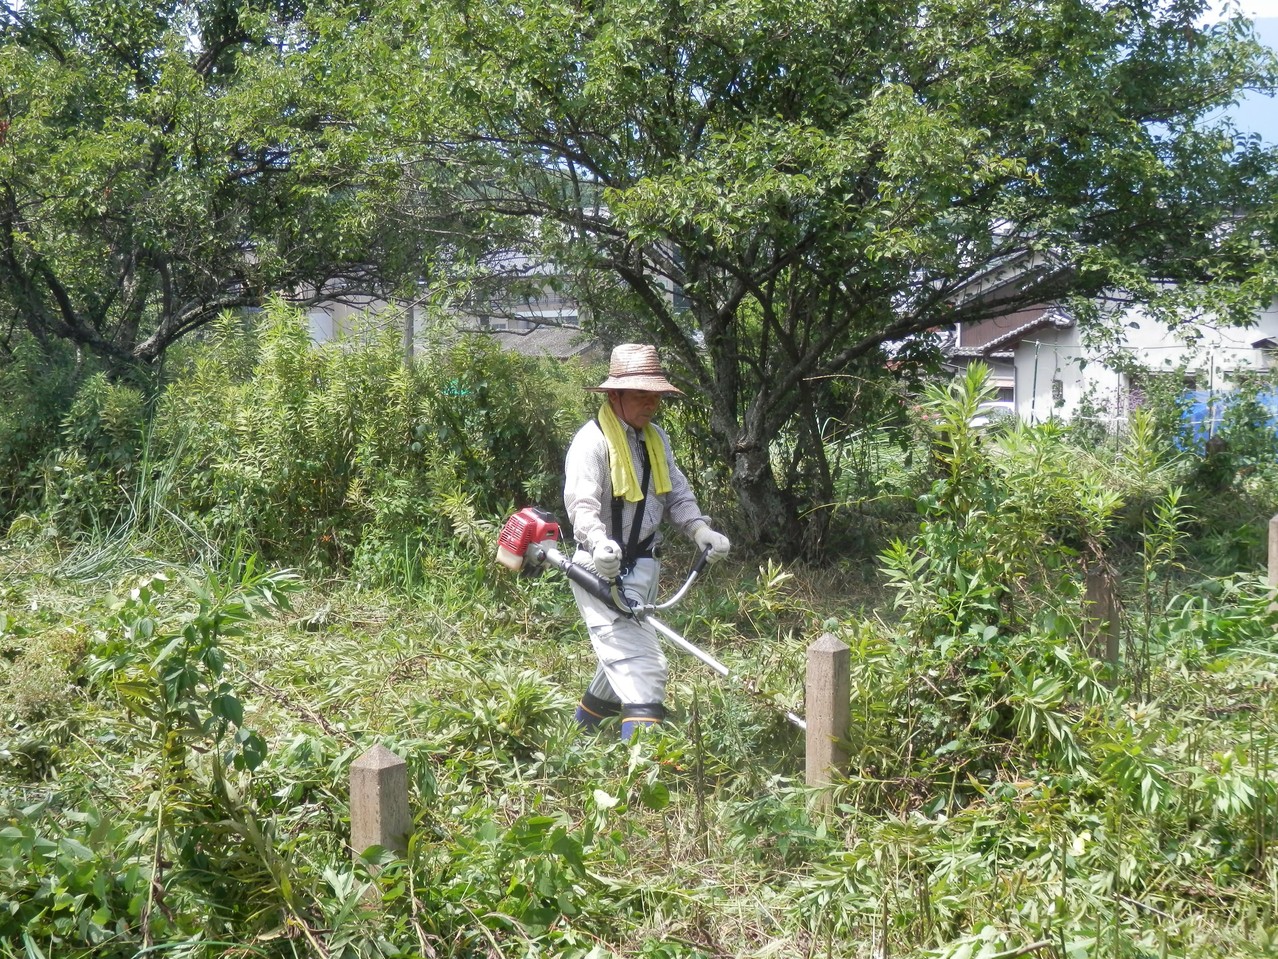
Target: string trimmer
529	542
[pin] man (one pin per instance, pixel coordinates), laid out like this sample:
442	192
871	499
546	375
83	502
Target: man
621	483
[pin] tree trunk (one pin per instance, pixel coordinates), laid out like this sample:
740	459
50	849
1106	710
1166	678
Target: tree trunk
769	519
768	514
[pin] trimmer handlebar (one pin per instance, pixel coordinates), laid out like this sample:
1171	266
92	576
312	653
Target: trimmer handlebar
530	540
703	559
540	554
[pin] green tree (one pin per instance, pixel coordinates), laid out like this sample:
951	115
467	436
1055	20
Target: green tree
784	194
162	161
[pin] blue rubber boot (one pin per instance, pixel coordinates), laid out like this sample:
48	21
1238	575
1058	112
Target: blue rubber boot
636	716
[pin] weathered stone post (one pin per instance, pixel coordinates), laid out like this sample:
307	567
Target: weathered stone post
1100	619
829	687
379	802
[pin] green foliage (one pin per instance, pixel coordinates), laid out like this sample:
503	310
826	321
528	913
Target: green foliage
175	755
1234	480
1226	472
38	662
815	187
72	892
96	886
88	476
1109	821
37	387
269	457
992	670
688	423
999	526
472	433
169	673
507	718
1072	809
1247	427
164	163
341	454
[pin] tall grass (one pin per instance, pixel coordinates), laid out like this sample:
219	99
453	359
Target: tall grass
336	457
177	743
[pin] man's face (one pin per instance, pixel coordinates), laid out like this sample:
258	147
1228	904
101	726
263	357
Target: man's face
635	408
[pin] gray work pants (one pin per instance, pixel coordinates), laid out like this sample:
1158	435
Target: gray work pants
632	668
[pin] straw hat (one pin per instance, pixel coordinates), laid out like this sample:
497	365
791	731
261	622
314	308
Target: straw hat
634	366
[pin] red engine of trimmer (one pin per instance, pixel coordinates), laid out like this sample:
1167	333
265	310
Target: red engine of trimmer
527	528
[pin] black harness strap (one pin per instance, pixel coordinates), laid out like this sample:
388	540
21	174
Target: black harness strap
635	548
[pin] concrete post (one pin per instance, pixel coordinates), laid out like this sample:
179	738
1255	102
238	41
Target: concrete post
1100	619
828	694
408	339
379	802
1273	552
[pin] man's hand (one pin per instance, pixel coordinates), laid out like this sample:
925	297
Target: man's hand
607	559
716	543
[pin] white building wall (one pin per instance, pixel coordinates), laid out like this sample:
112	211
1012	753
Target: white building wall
1057	375
359	318
323	326
1051	375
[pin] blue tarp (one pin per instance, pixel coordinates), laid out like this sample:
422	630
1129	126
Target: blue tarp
1206	410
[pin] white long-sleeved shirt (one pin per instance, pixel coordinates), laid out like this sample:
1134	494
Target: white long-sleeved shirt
588	491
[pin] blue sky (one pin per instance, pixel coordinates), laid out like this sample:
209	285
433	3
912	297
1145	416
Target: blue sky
1259	114
1256	113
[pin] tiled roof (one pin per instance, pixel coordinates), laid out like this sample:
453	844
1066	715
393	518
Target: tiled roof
977	352
558	342
1002	345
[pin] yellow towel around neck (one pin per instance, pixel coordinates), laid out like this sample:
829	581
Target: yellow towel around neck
625	481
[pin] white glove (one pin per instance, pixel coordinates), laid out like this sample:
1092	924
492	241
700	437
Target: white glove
717	543
607	559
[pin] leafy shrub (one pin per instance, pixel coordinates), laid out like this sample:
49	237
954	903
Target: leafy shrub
92	885
471	433
1002	527
266	453
1228	470
507	715
340	453
1234	483
73	898
1003	798
87	480
992	673
1062	813
37	667
37	388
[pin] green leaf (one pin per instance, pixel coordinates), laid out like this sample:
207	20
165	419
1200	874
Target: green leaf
655	795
